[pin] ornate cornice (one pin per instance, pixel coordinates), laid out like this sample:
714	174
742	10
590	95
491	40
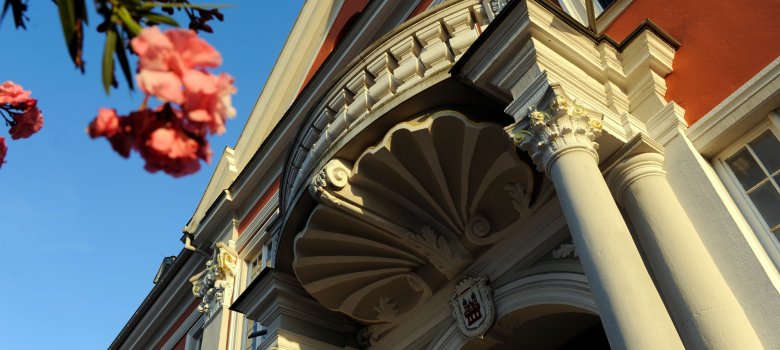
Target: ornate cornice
521	56
214	285
562	127
422	49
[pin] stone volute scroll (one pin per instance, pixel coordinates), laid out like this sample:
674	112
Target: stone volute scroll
409	214
214	285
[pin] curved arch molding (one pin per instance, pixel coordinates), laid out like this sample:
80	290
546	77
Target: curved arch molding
418	53
565	289
409	215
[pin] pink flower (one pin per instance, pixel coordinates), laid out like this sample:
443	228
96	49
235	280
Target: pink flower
13	94
172	137
27	123
207	99
164	59
174	152
154	49
193	51
175	50
3	151
164	85
173	143
105	124
158	135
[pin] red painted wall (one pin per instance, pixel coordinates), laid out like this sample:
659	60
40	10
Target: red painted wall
176	326
258	206
422	6
724	44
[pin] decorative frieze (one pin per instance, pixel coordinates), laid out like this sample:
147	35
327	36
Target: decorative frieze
214	285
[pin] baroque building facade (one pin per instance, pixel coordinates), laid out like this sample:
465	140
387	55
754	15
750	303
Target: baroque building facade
474	174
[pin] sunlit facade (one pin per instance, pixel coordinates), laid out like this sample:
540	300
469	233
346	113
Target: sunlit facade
474	174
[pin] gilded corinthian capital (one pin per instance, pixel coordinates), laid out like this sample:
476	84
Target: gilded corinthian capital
562	127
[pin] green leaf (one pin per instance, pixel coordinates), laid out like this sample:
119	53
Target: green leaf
121	54
68	19
108	60
128	20
73	15
162	19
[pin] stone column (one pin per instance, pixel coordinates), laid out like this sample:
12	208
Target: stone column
706	311
561	143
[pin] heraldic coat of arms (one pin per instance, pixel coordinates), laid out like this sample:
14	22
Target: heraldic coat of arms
472	306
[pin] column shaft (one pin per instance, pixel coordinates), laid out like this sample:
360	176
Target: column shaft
706	311
631	309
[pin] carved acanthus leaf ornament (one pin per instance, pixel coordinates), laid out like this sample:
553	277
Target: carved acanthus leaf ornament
214	285
563	126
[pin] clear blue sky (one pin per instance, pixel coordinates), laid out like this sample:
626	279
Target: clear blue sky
82	230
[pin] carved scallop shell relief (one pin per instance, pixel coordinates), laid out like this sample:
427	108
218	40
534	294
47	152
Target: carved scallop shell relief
409	214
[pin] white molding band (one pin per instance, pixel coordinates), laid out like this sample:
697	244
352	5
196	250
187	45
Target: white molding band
738	113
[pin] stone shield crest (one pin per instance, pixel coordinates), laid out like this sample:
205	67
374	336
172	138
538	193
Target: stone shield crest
472	305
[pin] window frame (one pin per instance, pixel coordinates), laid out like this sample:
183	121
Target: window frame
760	228
258	249
195	334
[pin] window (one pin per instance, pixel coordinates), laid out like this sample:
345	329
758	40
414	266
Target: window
254	342
262	260
751	172
757	167
578	9
195	337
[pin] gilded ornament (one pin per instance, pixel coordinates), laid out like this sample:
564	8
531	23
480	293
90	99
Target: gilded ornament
520	136
579	110
564	124
559	102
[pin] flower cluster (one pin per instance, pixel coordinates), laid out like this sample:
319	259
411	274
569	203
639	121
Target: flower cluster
172	66
20	112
